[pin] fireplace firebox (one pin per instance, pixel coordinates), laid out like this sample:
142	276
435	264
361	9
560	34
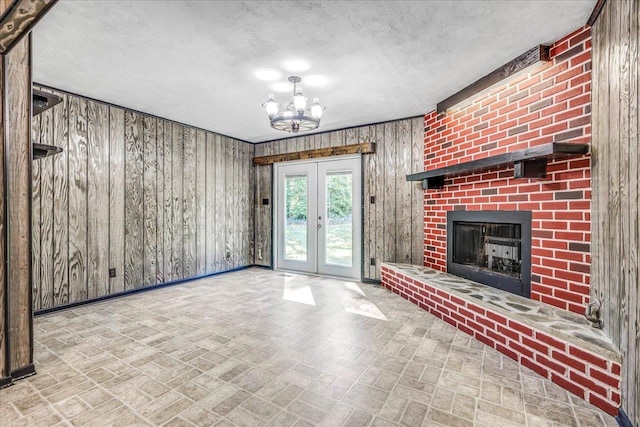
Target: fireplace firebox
491	247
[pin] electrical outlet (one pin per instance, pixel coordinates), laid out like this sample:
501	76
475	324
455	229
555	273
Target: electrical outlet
260	254
112	272
265	202
373	261
227	254
373	199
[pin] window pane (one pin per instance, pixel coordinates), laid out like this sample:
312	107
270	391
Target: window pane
295	227
339	224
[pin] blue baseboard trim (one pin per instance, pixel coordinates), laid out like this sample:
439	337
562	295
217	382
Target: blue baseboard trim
622	419
134	291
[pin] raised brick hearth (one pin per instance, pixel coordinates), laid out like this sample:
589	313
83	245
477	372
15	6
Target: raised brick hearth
550	103
558	345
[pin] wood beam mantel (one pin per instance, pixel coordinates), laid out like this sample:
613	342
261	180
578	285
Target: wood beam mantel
532	56
364	148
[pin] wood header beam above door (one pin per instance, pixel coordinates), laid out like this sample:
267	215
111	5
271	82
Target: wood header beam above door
364	148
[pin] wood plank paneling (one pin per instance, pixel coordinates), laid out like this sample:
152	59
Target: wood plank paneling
159	190
403	193
97	200
177	254
4	332
368	212
77	199
168	202
134	201
149	140
389	199
142	196
46	219
201	203
189	203
380	214
210	188
36	217
116	197
17	99
221	207
61	204
417	193
615	179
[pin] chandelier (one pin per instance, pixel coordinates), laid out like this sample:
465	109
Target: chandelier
292	117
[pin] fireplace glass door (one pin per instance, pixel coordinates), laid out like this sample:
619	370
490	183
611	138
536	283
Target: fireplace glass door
491	247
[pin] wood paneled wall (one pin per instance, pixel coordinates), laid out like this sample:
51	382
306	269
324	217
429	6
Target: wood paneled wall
616	177
16	340
156	200
393	224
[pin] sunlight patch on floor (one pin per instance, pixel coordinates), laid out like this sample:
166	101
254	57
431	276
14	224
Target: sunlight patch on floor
297	292
355	301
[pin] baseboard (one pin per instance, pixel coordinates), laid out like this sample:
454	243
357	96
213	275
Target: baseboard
5	382
135	291
25	371
622	419
371	281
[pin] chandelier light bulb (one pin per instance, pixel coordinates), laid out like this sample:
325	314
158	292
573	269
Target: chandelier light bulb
299	101
271	106
316	109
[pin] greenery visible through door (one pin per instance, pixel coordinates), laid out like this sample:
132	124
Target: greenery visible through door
339	240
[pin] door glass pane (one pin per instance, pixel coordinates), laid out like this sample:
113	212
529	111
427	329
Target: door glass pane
295	227
339	224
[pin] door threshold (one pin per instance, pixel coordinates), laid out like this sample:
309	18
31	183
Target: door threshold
305	273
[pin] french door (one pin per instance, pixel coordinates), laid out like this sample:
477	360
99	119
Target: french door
318	217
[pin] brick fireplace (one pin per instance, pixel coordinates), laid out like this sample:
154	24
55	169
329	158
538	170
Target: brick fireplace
550	103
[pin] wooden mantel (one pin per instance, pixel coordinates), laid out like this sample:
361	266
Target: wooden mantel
528	163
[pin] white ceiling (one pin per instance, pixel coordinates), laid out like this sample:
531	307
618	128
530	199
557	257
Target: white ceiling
198	62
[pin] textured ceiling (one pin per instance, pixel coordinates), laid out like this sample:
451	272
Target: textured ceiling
210	63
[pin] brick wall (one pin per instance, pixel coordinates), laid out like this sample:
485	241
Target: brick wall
551	103
588	375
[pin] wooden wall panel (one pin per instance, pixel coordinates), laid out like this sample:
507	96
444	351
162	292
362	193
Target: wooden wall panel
189	203
221	206
389	199
97	200
397	207
417	193
138	194
116	197
159	190
149	140
61	204
77	199
615	181
201	203
134	202
4	332
17	98
177	258
211	203
35	217
167	231
46	220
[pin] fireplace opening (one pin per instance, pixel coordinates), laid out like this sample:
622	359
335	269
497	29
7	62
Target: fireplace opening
491	247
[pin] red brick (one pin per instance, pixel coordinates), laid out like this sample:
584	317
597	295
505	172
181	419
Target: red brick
539	369
568	385
603	404
551	341
545	361
538	346
604	378
587	383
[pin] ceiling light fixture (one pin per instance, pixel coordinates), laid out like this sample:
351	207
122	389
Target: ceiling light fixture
291	117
